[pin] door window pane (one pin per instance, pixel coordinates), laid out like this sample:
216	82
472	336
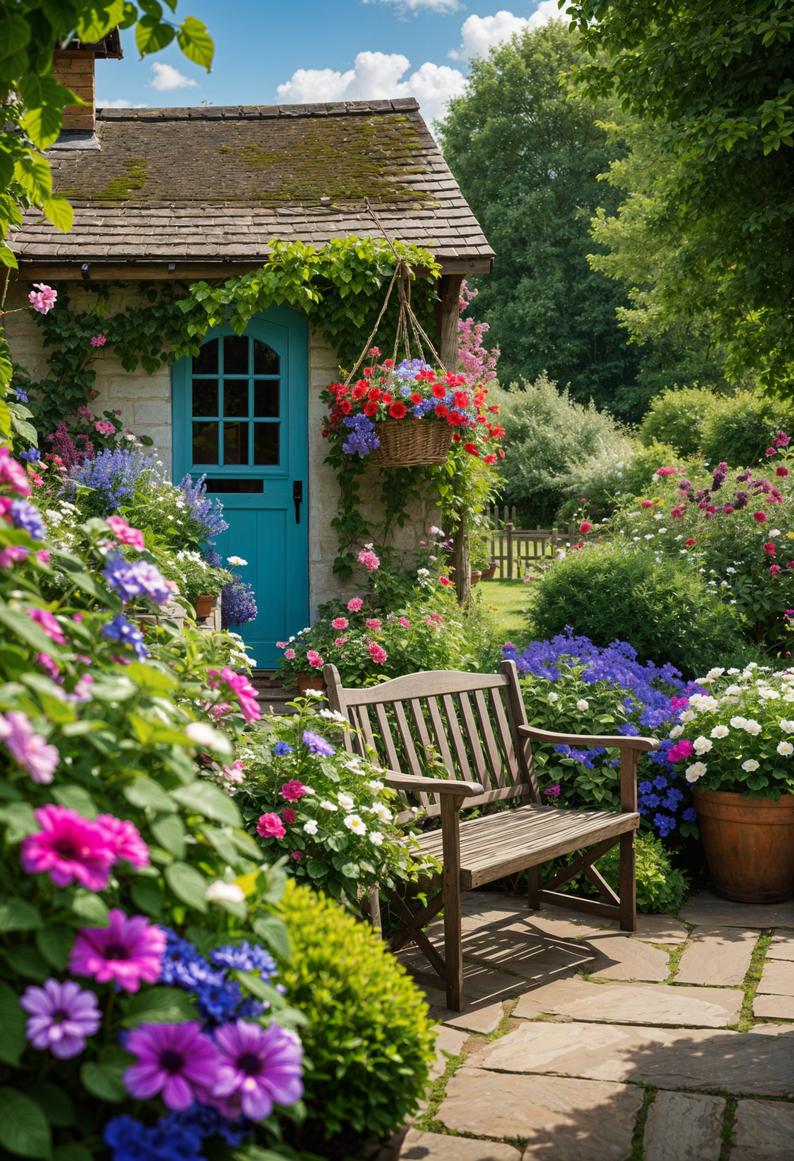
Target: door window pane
235	443
206	361
205	443
235	397
266	443
266	398
266	361
205	397
235	355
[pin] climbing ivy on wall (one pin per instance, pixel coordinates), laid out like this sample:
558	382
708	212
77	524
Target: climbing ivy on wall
340	286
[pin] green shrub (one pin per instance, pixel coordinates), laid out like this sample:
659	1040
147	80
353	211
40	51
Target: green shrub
741	428
624	468
614	592
369	1041
661	887
676	417
546	434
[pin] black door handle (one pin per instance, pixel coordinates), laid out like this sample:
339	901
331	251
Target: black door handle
297	498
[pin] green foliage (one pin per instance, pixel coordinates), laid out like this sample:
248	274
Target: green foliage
742	427
624	468
527	153
709	192
677	416
369	1041
661	887
617	591
547	435
32	100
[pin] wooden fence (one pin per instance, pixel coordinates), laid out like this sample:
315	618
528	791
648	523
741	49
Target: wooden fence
516	550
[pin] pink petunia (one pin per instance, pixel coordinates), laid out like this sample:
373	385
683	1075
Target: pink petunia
682	750
105	427
12	473
240	686
99	340
125	533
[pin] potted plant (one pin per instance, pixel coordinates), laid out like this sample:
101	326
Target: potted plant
199	581
736	745
408	414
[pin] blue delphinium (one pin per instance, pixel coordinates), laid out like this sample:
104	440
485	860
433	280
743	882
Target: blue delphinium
238	603
122	630
652	698
113	475
362	438
206	512
27	517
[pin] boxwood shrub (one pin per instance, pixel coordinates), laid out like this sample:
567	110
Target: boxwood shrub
369	1040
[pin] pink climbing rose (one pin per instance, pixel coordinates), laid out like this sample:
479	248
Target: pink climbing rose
42	298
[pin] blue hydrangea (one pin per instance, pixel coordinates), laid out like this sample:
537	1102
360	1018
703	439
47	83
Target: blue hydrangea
410	368
317	744
122	630
135	578
27	517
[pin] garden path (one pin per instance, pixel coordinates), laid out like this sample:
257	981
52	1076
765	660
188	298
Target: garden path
582	1043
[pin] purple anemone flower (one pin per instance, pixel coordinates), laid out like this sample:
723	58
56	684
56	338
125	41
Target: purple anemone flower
62	1015
317	744
259	1067
176	1060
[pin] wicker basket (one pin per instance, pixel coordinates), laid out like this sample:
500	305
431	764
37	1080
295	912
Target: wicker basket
412	443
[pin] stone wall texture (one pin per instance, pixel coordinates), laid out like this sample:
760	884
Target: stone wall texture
145	404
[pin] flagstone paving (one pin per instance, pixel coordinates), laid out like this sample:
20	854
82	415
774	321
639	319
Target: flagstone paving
583	1043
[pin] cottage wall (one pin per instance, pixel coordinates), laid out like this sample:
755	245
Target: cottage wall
144	401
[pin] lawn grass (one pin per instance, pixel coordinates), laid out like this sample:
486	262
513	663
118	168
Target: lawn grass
507	602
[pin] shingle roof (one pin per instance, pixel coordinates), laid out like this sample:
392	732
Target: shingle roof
218	184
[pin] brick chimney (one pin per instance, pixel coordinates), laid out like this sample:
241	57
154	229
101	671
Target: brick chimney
74	67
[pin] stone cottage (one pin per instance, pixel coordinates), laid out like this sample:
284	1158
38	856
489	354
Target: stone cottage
199	193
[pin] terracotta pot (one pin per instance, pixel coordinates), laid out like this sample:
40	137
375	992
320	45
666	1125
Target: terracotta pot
307	681
490	572
204	606
749	844
475	578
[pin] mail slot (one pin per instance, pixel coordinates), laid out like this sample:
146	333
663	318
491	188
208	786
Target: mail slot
227	485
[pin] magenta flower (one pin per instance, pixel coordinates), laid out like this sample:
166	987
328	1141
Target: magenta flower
62	1015
682	750
176	1060
12	473
105	427
369	559
293	790
42	298
28	749
69	848
48	623
258	1067
270	826
128	951
242	689
314	659
124	532
99	340
125	840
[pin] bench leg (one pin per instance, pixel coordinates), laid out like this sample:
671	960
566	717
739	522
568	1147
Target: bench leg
533	888
628	884
451	892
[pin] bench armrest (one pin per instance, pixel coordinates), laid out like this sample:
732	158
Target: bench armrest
621	741
443	786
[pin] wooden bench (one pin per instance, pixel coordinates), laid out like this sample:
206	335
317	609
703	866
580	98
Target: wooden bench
476	724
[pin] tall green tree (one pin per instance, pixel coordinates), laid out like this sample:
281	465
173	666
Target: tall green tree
703	236
32	101
527	153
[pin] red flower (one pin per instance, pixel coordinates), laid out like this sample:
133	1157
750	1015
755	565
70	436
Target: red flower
489	459
759	517
439	390
368	372
471	448
374	394
690	540
769	548
462	399
781	471
664	472
774	569
398	410
370	408
289	816
445	581
359	391
345	406
416	397
677	511
441	411
386	397
585	527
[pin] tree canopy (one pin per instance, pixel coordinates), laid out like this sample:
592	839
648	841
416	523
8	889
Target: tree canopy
703	236
527	153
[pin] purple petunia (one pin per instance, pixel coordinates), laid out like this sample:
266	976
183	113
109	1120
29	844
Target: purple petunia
362	438
258	1067
317	744
135	578
61	1015
178	1061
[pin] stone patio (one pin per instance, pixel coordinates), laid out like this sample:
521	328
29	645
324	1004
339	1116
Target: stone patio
583	1043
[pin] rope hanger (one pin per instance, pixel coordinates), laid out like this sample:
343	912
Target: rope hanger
408	325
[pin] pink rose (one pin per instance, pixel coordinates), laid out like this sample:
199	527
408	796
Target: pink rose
355	604
293	790
373	623
340	623
289	654
270	826
314	659
125	533
377	653
42	298
105	427
289	816
369	559
585	527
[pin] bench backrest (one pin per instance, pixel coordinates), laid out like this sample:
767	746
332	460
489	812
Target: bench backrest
467	720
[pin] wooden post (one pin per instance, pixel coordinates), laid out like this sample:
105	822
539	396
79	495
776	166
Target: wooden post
449	315
509	531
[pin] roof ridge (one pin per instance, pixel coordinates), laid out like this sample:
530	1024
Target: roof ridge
260	112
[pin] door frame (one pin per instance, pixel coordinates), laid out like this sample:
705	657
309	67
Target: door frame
295	423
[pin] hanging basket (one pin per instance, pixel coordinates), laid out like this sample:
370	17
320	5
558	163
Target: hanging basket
412	443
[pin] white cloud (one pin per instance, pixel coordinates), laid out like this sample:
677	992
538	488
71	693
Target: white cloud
119	103
479	34
165	78
375	76
417	5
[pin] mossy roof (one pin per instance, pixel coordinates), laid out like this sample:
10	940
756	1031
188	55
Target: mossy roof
219	183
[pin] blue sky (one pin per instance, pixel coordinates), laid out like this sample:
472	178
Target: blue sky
269	51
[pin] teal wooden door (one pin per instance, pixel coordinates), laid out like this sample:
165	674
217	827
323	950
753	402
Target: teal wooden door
240	418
